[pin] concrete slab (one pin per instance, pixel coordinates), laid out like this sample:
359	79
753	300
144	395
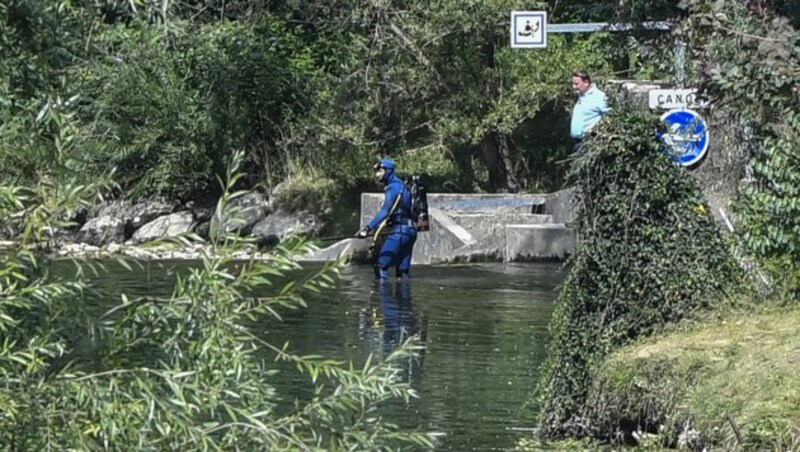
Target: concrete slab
444	236
538	242
464	203
487	203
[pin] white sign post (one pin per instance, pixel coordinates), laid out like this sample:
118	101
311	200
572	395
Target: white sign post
668	99
528	29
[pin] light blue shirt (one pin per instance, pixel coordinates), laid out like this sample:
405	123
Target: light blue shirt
589	109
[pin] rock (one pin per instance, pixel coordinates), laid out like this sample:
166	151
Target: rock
138	253
242	214
118	208
146	211
101	231
202	229
171	225
202	211
281	224
138	214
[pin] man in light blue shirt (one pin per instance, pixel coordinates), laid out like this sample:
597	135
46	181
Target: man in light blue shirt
589	109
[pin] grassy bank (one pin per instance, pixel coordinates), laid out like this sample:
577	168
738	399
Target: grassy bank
732	382
726	384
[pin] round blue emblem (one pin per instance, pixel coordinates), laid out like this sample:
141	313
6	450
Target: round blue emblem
686	138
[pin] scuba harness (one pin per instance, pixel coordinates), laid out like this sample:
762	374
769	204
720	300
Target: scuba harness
419	203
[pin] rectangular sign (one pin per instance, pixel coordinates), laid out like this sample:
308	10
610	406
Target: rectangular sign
674	98
528	29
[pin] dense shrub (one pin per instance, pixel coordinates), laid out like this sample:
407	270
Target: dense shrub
648	253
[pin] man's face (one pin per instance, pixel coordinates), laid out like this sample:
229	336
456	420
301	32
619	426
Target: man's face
579	85
379	173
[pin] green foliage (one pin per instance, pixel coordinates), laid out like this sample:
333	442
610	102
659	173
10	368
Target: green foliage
611	11
162	99
203	383
49	155
307	189
648	253
176	111
438	79
148	106
749	57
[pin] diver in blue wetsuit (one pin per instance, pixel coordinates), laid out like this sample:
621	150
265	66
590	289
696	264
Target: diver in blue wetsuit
395	218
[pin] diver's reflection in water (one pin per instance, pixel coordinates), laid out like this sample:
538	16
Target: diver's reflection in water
390	320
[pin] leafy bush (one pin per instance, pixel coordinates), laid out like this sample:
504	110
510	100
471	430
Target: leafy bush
647	253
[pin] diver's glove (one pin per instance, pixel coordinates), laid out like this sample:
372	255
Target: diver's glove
363	232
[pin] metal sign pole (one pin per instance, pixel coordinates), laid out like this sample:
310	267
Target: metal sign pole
680	61
680	44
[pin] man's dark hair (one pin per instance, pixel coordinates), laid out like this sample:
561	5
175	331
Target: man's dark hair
583	75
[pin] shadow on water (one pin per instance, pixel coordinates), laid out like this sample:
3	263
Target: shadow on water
483	328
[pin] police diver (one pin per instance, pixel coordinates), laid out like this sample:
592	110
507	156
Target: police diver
396	217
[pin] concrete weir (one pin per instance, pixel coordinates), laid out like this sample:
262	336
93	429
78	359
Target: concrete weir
478	228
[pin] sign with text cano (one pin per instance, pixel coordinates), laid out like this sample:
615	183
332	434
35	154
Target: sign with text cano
674	98
528	29
686	139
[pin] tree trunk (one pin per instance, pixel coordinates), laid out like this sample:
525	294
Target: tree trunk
497	152
497	149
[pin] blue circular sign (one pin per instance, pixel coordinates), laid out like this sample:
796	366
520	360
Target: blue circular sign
686	138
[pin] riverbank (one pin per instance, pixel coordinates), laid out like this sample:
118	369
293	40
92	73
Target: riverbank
728	383
166	250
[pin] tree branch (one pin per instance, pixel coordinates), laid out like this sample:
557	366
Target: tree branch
414	50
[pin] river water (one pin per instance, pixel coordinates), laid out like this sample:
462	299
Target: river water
484	328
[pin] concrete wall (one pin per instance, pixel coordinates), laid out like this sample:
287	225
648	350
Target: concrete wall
560	206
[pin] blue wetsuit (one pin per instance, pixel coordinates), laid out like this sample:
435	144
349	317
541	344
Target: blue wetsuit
399	244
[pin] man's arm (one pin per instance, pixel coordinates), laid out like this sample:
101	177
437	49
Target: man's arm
602	104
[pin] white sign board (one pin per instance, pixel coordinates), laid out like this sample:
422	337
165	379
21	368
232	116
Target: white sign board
528	29
674	98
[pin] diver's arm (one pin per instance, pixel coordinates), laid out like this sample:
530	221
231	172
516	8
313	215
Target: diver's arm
386	209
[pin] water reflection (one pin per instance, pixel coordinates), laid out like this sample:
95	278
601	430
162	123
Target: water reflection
389	320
